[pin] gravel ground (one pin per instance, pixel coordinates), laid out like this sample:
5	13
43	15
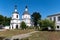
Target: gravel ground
21	36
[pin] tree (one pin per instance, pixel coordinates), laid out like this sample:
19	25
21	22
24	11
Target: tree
23	25
5	20
1	20
35	17
46	23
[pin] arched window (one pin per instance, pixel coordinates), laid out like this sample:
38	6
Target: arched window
16	16
58	27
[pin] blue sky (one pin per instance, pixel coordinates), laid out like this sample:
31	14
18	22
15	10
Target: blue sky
45	7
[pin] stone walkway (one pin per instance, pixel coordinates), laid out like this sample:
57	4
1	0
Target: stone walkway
22	35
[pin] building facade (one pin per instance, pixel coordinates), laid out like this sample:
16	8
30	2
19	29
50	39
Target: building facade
56	19
16	21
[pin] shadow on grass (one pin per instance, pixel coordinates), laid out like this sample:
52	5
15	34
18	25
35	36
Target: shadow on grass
25	39
1	38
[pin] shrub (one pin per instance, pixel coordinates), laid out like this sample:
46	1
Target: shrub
23	25
44	24
31	27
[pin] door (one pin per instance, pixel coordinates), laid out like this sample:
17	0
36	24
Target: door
16	26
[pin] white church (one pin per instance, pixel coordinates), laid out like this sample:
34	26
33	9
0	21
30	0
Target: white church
16	21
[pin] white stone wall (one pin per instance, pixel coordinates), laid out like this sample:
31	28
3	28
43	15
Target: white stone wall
6	27
15	21
26	16
13	26
14	16
27	19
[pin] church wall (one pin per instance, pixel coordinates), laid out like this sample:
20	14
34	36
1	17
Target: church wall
14	16
13	26
25	16
15	21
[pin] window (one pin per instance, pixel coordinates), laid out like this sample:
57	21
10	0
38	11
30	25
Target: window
50	18
54	19
57	26
59	18
16	16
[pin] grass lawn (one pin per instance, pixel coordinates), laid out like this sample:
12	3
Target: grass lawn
9	33
45	35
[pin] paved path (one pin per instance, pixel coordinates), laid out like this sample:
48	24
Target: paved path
22	35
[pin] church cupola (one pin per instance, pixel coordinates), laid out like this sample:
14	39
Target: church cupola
26	8
15	14
26	11
15	8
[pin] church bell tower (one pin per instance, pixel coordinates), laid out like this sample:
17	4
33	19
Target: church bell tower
15	21
26	17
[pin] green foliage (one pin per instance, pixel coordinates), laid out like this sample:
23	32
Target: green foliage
35	17
46	23
7	21
4	20
23	25
31	27
1	19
